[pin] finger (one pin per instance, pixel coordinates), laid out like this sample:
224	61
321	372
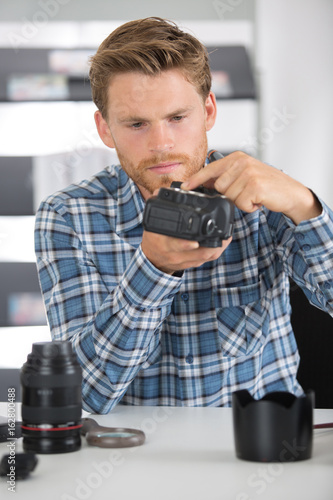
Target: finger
180	245
205	254
190	251
173	244
220	174
196	258
206	176
226	180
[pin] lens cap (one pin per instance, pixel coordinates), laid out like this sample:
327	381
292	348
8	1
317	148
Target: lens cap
24	464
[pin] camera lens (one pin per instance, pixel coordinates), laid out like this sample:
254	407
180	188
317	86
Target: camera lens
51	399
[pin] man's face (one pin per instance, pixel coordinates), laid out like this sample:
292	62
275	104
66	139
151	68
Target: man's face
158	125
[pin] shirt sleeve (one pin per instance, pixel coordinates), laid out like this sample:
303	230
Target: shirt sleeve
114	330
306	250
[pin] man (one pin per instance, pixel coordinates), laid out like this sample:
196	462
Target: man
157	320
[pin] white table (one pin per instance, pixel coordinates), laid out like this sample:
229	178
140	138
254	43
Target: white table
188	455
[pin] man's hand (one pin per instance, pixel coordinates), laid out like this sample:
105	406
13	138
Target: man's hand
250	184
174	254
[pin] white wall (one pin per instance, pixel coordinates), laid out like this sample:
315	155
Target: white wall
294	52
87	10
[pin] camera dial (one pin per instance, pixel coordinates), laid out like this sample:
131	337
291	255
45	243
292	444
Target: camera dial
210	226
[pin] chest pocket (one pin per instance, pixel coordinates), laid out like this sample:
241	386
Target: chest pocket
243	318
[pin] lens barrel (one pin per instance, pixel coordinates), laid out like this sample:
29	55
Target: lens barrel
51	399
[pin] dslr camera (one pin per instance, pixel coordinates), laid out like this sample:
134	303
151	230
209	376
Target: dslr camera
202	215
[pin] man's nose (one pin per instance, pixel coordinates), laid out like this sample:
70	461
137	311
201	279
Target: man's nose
160	138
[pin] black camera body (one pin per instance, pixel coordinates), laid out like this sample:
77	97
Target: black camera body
202	215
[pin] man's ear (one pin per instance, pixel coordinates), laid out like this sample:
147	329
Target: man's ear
103	130
210	109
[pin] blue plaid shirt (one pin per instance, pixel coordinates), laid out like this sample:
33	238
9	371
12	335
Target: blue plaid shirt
144	337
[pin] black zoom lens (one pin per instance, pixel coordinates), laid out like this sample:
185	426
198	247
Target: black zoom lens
51	399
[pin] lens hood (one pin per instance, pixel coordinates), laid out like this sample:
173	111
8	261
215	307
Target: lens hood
276	428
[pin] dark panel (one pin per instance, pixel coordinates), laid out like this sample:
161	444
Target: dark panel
16	193
314	334
235	62
230	63
36	62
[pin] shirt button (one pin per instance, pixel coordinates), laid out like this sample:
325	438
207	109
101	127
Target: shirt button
306	248
189	359
300	236
327	285
185	296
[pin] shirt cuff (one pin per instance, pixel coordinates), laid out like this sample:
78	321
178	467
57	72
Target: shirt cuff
315	233
144	286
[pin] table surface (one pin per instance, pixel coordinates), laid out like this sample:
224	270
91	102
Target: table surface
188	454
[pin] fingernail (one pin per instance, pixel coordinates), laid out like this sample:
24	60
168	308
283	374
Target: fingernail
185	185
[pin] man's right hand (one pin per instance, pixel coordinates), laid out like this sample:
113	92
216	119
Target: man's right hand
169	254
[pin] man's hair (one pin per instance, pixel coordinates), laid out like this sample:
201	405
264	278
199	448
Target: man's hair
149	46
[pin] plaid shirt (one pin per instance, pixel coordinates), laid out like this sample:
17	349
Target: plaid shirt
144	337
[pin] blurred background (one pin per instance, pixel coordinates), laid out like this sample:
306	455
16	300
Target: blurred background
272	74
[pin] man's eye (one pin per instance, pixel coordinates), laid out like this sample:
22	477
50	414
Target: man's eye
137	125
178	118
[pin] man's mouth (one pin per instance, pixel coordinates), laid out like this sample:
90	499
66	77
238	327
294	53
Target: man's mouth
164	168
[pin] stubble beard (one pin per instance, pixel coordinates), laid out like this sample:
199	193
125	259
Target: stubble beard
143	179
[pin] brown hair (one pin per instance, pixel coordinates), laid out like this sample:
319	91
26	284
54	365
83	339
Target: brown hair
149	46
